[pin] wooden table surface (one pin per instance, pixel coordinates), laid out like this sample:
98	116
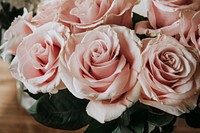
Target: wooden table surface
14	119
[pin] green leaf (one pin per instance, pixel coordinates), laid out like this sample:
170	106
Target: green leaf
34	96
160	118
122	129
138	118
193	118
156	130
61	111
96	127
170	127
151	127
125	118
7	14
124	122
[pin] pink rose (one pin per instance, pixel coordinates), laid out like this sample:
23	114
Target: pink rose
14	36
169	76
102	65
85	14
45	15
36	61
190	29
164	15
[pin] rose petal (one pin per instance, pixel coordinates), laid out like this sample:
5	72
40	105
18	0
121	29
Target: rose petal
104	112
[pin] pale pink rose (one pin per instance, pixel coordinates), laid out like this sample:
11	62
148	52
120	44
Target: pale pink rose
19	28
169	76
102	65
164	16
190	29
36	61
48	11
86	14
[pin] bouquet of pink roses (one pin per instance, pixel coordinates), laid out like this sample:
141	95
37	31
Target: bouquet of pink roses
97	63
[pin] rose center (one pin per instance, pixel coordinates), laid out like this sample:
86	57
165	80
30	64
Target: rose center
170	59
45	55
99	52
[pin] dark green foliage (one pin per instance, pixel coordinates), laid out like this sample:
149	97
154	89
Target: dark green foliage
61	111
34	96
193	118
122	129
159	118
96	127
7	14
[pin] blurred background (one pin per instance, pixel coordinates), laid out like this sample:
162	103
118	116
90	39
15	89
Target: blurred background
13	118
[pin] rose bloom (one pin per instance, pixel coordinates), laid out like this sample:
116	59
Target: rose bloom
190	29
85	14
169	76
44	14
14	36
36	61
102	66
164	16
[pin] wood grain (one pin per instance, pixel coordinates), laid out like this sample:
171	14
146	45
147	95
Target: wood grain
14	119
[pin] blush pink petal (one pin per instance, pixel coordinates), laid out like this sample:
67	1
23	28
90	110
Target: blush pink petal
108	80
78	70
96	67
36	61
14	36
67	79
149	85
84	89
128	37
25	69
173	94
185	26
103	12
32	88
104	112
192	34
118	66
164	17
119	82
47	88
100	73
43	78
184	91
132	96
162	11
106	35
122	18
177	110
109	93
45	15
104	7
86	12
144	27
